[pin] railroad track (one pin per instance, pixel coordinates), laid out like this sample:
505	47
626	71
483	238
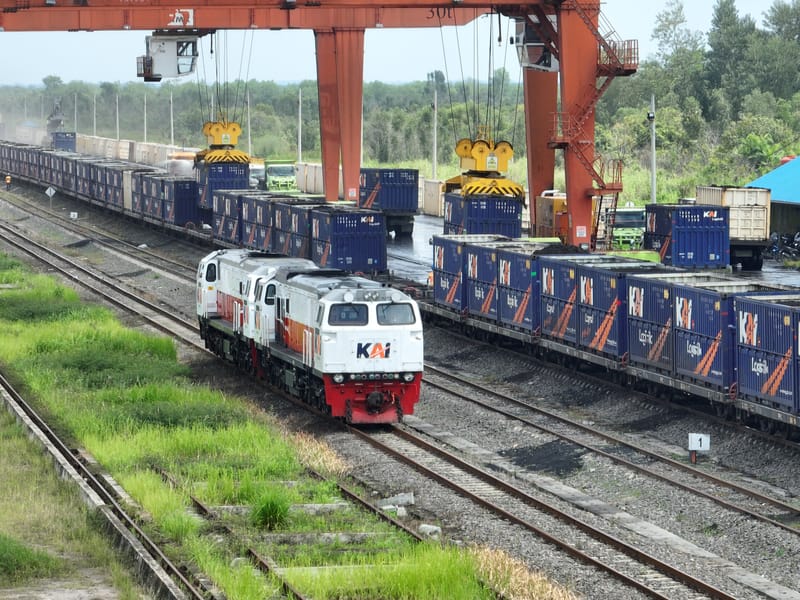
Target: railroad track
163	574
578	538
155	314
137	253
81	278
727	494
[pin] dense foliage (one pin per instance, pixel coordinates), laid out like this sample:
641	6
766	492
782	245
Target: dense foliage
727	106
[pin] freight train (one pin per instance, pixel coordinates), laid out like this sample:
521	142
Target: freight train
697	334
347	345
215	205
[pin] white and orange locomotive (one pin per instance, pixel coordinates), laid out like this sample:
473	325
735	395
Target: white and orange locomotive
346	344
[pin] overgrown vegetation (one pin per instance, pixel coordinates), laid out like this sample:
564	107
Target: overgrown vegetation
45	540
122	395
19	563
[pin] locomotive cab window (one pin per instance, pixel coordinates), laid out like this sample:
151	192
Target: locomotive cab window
395	314
211	272
270	298
348	314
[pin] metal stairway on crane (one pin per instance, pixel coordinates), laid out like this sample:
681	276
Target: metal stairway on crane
616	58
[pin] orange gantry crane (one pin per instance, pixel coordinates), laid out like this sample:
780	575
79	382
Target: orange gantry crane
564	33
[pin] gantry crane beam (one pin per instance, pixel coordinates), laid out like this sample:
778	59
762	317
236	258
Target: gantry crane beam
339	27
75	16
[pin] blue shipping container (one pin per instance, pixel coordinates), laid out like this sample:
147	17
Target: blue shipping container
180	202
221	176
688	235
650	316
481	281
558	284
602	295
64	140
389	190
704	326
766	355
449	267
482	215
352	239
518	303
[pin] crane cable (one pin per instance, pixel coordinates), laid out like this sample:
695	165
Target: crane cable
221	101
494	103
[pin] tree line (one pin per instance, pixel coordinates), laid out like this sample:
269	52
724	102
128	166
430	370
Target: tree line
727	108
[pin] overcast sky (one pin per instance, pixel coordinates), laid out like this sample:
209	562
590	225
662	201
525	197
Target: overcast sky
391	55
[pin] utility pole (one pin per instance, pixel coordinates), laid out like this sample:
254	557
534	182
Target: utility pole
299	125
171	120
435	128
145	118
651	116
117	106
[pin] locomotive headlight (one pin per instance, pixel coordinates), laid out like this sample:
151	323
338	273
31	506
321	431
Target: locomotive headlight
338	378
408	377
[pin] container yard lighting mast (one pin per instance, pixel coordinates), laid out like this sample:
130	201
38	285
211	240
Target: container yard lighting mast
560	99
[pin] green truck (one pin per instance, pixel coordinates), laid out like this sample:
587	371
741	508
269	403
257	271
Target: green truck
280	177
628	228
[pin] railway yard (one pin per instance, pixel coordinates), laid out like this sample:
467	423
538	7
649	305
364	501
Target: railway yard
576	477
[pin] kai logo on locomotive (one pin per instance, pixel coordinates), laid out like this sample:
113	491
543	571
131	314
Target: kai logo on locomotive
373	350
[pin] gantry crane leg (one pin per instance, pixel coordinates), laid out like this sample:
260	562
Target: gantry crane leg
340	70
541	93
578	70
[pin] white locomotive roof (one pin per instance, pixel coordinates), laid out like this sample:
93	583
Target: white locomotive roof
251	261
339	286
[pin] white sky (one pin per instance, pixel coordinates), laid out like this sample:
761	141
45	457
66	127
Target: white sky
391	55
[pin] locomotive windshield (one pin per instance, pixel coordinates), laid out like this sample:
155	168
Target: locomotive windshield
395	314
348	314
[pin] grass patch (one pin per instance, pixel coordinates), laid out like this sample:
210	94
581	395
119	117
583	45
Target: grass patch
271	509
237	578
423	572
167	507
512	579
19	564
122	395
36	298
61	526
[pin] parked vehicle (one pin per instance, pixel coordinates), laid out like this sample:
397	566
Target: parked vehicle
749	220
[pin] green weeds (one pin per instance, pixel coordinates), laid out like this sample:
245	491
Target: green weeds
19	564
123	396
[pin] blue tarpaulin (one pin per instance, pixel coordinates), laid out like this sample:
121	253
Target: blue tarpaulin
783	182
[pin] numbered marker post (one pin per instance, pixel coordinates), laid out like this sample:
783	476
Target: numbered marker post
698	442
